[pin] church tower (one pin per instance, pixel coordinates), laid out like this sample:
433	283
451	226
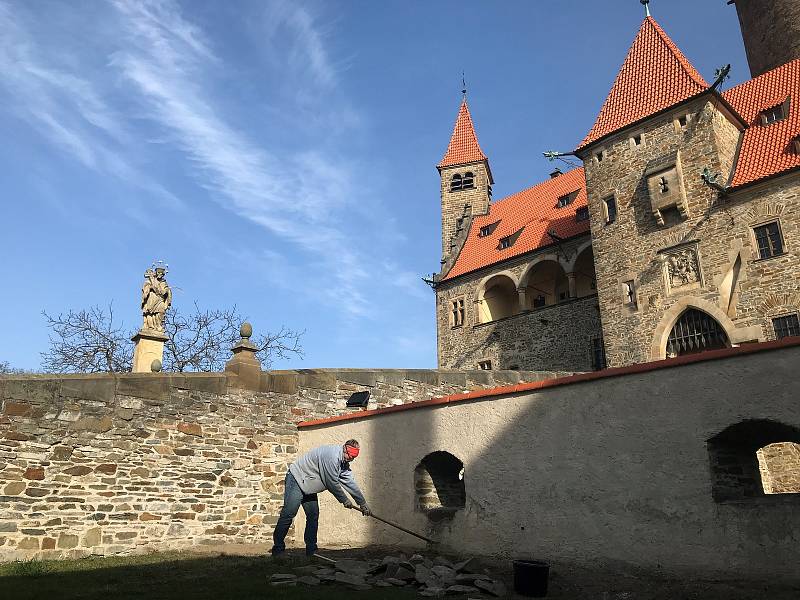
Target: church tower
466	180
771	31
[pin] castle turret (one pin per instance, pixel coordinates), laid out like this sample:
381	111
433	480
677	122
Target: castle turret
466	179
771	31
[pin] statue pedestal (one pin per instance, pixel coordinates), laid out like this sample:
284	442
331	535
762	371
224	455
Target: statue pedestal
149	347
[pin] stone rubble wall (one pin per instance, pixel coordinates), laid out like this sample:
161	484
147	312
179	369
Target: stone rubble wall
104	464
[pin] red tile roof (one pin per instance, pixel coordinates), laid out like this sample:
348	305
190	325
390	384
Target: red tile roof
654	76
767	150
463	146
535	212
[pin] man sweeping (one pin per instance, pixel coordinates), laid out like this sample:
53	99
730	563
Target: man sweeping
320	469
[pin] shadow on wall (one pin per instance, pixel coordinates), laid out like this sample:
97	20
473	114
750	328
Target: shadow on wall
620	471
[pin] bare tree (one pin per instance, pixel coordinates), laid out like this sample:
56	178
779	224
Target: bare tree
87	341
7	369
282	344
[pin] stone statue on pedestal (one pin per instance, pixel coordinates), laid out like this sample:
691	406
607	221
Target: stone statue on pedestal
156	300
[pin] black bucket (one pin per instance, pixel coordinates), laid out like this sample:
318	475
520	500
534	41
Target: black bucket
530	578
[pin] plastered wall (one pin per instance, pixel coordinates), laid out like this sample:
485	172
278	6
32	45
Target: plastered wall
614	470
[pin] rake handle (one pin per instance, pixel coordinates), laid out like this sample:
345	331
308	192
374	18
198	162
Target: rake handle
396	526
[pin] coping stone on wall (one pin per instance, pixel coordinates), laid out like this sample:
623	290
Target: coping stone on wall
367	378
31	389
317	379
506	377
425	376
213	383
453	378
394	377
97	388
144	385
283	382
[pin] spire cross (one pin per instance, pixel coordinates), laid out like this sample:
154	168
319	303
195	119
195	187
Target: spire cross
646	4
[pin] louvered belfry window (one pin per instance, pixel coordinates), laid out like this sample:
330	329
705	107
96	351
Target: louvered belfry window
694	332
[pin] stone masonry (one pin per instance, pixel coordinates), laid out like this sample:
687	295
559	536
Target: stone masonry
104	464
558	337
730	282
771	31
458	206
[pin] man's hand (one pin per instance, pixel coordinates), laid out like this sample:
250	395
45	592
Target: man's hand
364	508
349	504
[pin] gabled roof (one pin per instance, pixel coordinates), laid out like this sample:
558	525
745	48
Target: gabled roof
464	147
531	213
654	76
767	150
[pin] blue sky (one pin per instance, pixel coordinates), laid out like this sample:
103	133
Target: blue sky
281	156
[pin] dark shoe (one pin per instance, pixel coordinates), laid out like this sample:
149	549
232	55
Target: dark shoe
278	556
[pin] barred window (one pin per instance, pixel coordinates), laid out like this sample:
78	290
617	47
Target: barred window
768	239
786	326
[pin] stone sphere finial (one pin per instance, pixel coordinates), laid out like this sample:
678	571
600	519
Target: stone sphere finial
246	330
155	366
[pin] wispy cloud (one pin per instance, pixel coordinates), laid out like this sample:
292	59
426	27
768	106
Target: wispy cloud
65	108
299	196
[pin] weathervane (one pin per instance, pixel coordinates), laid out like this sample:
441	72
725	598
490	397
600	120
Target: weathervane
646	4
463	85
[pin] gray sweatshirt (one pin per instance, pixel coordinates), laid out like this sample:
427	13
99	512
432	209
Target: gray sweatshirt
324	468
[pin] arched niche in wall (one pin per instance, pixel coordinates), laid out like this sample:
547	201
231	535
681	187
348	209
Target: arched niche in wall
754	458
498	299
585	278
439	485
546	283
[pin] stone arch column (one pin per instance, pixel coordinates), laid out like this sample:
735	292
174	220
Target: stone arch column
658	348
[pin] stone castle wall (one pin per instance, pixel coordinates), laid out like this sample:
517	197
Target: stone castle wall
104	464
558	337
741	291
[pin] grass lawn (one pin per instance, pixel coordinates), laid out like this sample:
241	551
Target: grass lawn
169	576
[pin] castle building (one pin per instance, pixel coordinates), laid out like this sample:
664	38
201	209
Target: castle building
680	233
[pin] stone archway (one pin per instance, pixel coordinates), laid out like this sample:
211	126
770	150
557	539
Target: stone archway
658	349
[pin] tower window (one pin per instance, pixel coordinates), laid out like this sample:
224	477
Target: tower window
786	326
629	288
468	181
600	156
775	114
485	365
769	240
610	207
567	199
683	120
582	214
637	140
456	312
455	183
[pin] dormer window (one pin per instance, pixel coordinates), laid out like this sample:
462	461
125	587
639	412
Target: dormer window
487	230
456	183
582	214
508	241
567	199
776	113
468	181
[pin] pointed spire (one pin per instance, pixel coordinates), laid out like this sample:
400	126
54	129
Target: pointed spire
463	146
654	76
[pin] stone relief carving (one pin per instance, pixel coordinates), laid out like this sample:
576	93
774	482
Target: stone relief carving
681	268
156	298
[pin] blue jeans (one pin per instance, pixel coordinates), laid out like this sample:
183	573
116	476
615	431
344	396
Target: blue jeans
293	498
